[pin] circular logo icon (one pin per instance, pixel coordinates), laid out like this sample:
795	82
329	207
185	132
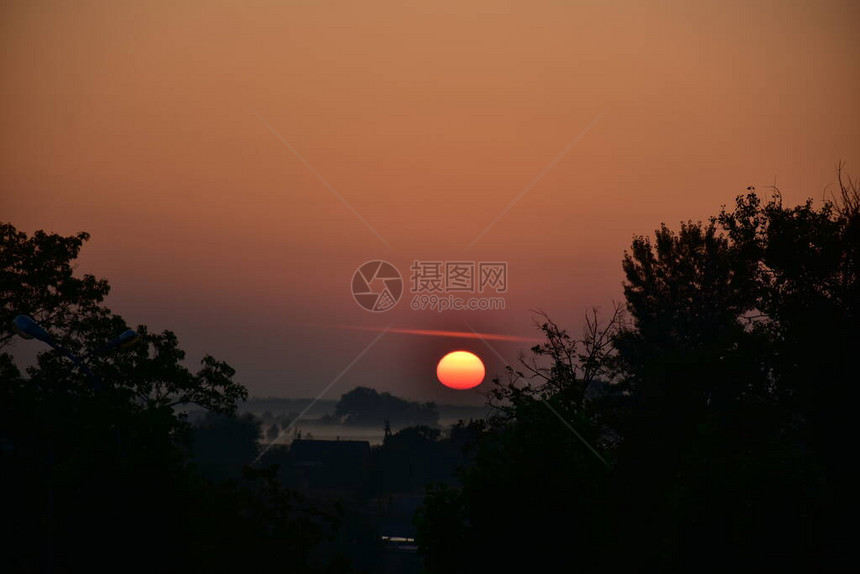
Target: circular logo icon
377	286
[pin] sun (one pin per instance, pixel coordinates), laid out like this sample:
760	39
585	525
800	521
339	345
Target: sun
460	370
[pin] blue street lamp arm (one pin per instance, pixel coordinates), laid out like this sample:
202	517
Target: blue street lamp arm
125	339
29	329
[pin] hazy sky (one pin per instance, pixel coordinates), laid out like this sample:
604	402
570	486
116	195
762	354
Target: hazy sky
170	132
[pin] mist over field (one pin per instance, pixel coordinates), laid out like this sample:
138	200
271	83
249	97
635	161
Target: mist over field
314	423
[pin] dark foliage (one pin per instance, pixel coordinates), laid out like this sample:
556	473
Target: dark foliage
97	474
721	404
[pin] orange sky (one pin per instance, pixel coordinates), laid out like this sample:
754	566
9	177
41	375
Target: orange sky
140	123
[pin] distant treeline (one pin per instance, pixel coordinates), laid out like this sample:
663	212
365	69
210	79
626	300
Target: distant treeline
364	406
361	406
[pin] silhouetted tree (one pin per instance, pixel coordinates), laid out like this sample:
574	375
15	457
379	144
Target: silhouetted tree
807	306
724	409
95	469
37	279
539	462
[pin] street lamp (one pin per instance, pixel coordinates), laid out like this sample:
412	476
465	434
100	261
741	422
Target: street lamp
27	328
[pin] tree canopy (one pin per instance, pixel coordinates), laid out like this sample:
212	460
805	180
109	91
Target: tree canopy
721	400
99	463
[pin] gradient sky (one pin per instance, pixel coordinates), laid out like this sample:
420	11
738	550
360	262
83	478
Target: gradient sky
150	125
